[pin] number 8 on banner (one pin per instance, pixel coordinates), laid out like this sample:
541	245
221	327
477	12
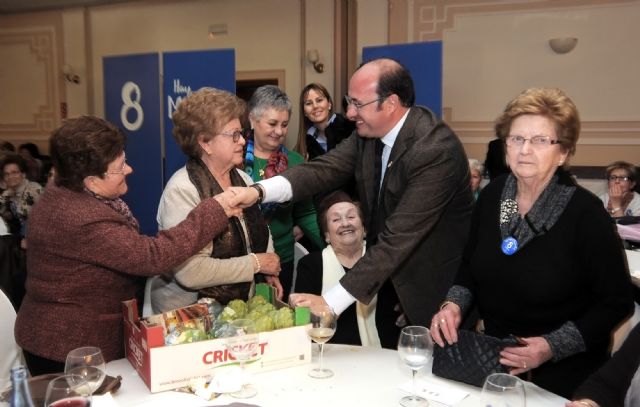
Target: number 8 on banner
131	97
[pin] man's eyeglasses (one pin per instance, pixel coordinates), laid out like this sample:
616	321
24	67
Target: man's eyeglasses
536	141
120	171
358	105
235	136
614	178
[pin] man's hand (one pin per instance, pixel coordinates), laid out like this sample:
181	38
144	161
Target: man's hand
307	300
243	197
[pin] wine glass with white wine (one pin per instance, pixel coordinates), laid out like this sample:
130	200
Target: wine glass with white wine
415	347
323	325
88	363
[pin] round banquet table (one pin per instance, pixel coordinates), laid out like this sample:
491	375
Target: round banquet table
362	377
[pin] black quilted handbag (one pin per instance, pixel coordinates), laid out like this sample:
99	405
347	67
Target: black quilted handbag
470	360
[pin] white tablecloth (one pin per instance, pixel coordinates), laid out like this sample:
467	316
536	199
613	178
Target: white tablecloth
363	377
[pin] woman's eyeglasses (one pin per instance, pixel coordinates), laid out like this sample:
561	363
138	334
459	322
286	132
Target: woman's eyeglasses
535	141
614	178
120	171
235	136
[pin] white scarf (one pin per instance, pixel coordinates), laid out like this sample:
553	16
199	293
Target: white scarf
332	272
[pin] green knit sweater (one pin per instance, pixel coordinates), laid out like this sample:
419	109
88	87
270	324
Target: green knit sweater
288	215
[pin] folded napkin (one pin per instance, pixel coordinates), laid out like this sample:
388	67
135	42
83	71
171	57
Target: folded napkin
106	400
436	392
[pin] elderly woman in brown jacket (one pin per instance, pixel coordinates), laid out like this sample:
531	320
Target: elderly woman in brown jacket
90	253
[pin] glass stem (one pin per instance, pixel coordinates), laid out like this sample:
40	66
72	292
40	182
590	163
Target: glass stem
321	351
413	381
242	373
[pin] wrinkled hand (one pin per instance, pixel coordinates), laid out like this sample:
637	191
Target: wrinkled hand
243	196
307	300
269	263
224	199
275	283
444	324
297	233
534	352
616	194
582	403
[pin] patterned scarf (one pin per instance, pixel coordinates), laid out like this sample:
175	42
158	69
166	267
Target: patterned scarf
278	162
543	214
117	205
232	242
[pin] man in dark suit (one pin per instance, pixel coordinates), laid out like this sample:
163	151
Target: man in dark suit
417	210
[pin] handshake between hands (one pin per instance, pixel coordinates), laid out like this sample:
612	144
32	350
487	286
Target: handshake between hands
234	199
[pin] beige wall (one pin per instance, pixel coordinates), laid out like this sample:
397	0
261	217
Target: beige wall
492	50
31	86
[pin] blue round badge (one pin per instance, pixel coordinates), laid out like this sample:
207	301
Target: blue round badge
509	246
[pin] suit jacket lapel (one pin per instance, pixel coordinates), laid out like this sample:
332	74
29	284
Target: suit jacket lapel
370	187
403	141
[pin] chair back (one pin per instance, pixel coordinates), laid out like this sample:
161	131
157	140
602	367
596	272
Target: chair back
299	251
9	349
147	309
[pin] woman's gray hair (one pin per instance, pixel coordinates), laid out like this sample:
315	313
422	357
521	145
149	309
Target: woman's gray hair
476	165
268	97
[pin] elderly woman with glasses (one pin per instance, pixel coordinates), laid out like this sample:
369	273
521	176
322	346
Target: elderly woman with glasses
207	129
88	254
620	198
543	261
266	156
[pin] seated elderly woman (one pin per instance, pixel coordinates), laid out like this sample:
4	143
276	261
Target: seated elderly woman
543	261
88	253
340	222
265	157
207	129
16	202
620	198
476	169
19	196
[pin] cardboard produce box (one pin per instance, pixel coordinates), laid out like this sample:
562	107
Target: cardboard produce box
168	367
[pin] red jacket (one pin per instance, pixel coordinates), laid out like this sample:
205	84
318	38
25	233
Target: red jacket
84	258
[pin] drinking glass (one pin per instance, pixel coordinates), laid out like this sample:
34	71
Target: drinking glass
241	342
503	390
69	390
88	363
415	347
323	325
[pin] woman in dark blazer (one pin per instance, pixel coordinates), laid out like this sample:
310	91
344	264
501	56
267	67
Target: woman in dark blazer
321	129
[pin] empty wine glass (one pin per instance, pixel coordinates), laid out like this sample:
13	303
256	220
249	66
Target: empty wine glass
241	342
323	325
69	390
87	362
503	390
415	347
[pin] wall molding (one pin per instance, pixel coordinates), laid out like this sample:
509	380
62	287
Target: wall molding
432	17
41	43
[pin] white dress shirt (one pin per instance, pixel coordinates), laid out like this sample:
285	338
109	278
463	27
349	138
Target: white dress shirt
278	189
